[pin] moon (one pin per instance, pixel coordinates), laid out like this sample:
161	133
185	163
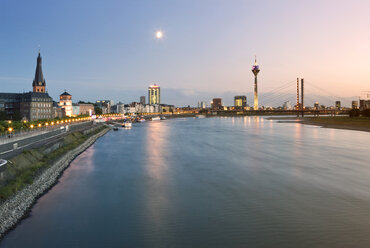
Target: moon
159	34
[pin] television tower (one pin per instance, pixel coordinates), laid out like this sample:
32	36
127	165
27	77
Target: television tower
255	70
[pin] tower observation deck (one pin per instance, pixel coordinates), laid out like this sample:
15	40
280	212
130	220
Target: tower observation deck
255	70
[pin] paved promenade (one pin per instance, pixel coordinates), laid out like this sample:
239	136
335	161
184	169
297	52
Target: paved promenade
15	146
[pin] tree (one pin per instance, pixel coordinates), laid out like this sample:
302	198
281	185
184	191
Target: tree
17	116
3	116
98	110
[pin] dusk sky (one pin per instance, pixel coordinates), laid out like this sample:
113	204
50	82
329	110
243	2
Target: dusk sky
108	50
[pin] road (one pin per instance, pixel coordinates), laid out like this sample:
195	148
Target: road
7	150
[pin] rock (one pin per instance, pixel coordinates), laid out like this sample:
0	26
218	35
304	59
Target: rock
14	209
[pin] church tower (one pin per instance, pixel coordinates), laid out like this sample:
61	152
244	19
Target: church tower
39	81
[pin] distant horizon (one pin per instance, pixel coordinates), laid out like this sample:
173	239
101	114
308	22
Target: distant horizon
112	50
192	97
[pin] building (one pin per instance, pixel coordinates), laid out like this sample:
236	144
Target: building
255	70
142	100
202	105
58	112
216	104
316	106
355	104
39	81
105	105
31	106
75	109
240	101
364	104
154	94
338	105
36	105
10	104
65	102
86	109
287	106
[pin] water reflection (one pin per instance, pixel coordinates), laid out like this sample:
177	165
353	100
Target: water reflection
157	197
212	182
156	136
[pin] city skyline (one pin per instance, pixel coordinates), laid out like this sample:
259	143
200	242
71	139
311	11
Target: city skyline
213	51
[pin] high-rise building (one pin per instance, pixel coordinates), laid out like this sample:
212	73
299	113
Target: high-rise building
255	70
355	104
216	103
338	105
142	100
65	102
287	105
154	94
240	101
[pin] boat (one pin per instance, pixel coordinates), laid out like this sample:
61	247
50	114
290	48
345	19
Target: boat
141	120
200	116
156	118
163	118
127	125
115	129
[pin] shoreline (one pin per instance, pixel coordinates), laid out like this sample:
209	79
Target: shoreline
337	126
18	207
345	123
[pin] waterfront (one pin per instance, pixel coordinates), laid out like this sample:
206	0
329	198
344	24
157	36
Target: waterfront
215	182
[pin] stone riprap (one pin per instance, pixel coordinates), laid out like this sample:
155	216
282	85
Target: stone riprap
18	206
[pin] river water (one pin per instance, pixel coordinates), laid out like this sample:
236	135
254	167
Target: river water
215	182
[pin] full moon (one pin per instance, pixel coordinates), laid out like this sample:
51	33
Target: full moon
159	34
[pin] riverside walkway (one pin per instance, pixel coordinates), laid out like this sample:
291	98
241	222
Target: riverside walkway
12	146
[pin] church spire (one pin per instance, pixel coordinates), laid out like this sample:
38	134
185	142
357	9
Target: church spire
39	81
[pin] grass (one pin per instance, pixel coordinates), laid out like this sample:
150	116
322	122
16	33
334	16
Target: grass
26	166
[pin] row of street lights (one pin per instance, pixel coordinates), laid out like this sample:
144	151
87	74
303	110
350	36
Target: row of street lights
52	123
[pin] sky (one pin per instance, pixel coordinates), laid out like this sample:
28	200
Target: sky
108	50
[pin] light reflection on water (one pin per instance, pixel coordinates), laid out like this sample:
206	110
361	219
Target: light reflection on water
214	182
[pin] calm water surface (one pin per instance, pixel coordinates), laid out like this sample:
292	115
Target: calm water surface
216	182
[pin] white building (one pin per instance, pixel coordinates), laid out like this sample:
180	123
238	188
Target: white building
65	102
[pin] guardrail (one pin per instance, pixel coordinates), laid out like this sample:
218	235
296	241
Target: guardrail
3	162
23	134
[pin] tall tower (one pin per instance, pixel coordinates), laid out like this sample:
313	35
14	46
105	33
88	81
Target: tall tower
255	70
154	94
39	81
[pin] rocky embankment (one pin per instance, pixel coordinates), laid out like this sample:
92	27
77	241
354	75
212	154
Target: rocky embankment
18	207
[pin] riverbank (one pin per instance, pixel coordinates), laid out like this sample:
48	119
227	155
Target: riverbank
18	206
340	122
337	122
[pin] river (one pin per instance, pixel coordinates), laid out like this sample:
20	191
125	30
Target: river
214	182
